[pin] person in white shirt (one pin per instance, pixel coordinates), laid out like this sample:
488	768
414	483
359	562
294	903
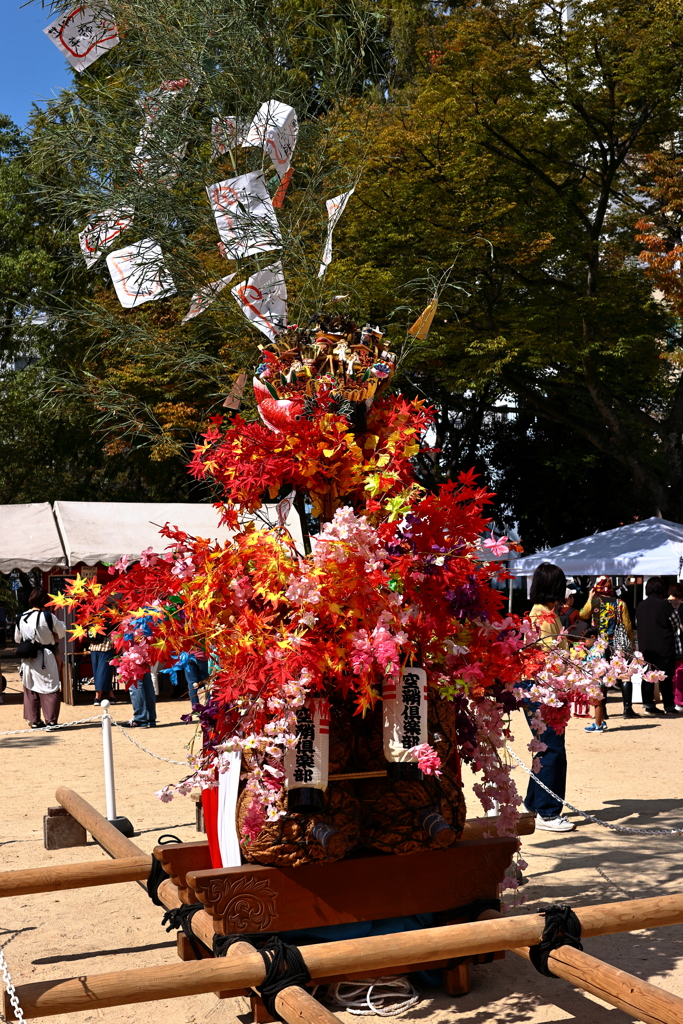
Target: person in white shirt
40	675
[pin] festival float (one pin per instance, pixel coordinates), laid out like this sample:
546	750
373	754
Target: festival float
351	679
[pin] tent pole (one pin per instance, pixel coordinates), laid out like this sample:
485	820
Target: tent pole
510	584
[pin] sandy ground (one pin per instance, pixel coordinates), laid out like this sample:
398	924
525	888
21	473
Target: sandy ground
630	775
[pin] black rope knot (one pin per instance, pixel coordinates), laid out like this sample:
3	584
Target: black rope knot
562	928
181	917
157	875
284	964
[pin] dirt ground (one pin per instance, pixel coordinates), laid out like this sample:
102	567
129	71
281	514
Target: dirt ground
629	775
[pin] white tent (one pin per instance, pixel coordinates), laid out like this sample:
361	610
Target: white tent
29	538
102	531
652	547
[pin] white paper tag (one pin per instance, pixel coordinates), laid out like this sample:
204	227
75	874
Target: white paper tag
245	217
101	231
263	299
139	274
275	129
227	133
84	33
202	299
335	208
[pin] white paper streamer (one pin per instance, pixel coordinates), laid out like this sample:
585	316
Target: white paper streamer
335	208
245	217
101	231
227	133
83	34
405	714
228	789
275	129
139	274
202	299
263	299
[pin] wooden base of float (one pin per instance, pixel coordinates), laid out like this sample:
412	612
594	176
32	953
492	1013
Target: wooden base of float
243	970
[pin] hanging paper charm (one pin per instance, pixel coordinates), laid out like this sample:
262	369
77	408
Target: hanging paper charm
202	299
405	714
263	299
420	328
101	231
335	208
306	764
244	215
275	129
226	133
84	33
139	274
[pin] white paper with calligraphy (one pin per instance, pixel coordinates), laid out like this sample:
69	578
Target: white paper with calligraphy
228	790
263	299
139	274
404	704
202	299
101	231
155	153
227	133
335	208
307	764
245	217
275	129
83	33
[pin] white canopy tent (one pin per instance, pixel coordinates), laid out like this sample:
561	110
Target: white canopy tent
651	547
29	538
88	532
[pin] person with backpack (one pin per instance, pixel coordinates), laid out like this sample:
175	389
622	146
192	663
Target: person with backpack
38	633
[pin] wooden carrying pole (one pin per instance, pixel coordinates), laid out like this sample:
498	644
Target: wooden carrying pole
246	970
55	878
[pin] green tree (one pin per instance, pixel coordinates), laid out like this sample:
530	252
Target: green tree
517	156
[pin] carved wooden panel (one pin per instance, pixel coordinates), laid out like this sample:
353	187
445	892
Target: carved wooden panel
177	859
254	898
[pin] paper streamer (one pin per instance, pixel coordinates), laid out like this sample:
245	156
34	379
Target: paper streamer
335	208
420	328
139	274
245	217
202	299
228	789
263	300
275	129
83	34
101	231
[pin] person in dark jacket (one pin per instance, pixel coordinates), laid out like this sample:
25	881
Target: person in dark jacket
654	622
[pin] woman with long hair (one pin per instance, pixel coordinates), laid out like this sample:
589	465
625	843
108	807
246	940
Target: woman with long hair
548	586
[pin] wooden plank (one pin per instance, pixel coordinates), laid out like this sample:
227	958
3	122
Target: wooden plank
55	878
255	898
97	825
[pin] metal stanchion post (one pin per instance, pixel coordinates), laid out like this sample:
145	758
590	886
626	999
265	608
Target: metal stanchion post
119	822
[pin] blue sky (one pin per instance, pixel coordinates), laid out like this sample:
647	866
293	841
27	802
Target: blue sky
31	66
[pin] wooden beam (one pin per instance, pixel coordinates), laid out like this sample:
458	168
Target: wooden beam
639	999
475	828
55	878
97	825
374	953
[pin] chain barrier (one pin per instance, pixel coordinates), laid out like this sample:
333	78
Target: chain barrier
9	988
53	728
135	743
591	817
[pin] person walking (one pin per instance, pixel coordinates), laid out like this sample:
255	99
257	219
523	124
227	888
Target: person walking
144	702
657	621
40	671
676	599
608	614
548	587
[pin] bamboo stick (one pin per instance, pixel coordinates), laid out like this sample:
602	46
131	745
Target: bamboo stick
333	958
106	834
55	878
